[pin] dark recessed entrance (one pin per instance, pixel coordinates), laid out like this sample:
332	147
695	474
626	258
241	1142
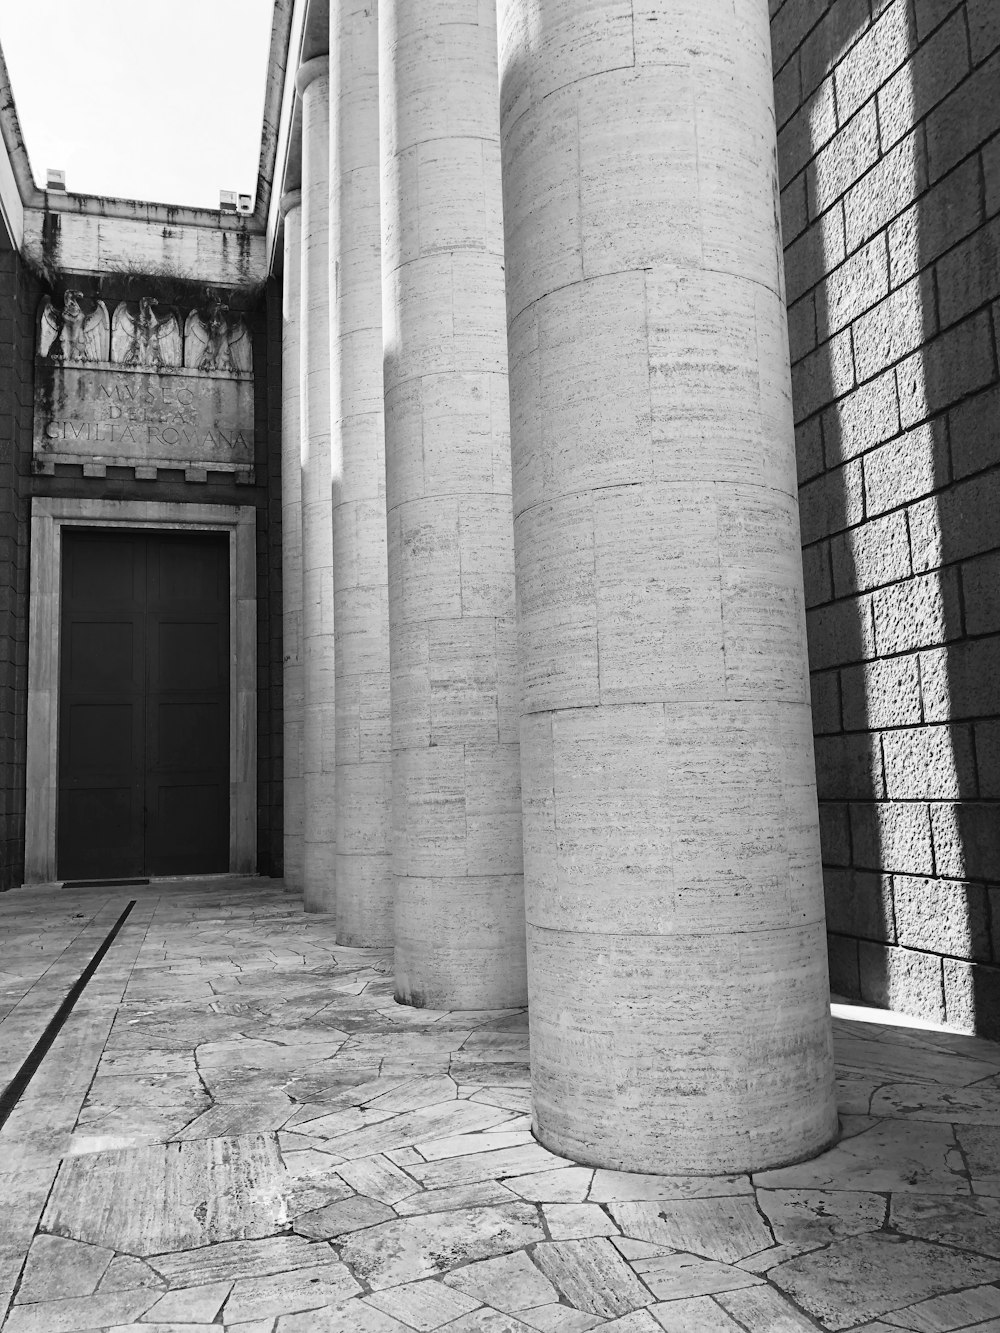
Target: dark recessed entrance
143	704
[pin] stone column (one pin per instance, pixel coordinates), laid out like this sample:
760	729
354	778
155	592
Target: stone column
677	957
291	541
319	750
360	574
456	792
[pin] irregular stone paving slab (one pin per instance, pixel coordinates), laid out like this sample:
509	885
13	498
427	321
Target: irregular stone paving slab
895	1155
59	1268
593	1276
726	1229
126	1273
530	1157
560	1319
231	1120
413	1094
337	1219
238	1259
481	1195
969	1224
627	1187
172	1196
701	1315
412	1248
915	1064
957	1310
491	1073
510	1099
672	1277
763	1310
80	1312
640	1321
978	1105
510	1283
165	1328
423	1305
639	1249
855	1091
816	1216
378	1178
462	1145
981	1146
192	1305
285	1293
489	1321
319	1122
577	1221
777	1254
354	1317
567	1184
867	1276
401	1131
307	1194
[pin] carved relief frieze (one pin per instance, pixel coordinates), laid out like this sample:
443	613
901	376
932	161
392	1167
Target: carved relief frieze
147	385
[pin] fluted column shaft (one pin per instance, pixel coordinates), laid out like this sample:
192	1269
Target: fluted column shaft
677	965
319	748
360	572
456	795
291	541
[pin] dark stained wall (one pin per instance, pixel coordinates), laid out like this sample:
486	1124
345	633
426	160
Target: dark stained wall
889	155
18	299
20	295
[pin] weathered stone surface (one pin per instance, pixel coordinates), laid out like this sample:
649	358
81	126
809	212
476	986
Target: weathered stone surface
897	1272
592	1276
970	1224
726	1229
59	1268
509	1283
817	1216
82	1312
412	1248
345	1215
673	1277
171	418
281	1293
894	1155
176	1196
240	1259
423	1305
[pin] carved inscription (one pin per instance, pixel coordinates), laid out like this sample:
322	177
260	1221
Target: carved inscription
176	416
143	388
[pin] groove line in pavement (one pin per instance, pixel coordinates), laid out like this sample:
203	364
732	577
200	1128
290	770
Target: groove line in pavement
16	1088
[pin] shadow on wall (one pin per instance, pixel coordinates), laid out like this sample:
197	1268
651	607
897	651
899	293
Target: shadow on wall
893	273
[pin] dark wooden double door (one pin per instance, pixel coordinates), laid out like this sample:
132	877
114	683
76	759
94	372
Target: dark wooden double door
143	705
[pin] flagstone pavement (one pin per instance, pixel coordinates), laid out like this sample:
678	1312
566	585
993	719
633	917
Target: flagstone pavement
238	1128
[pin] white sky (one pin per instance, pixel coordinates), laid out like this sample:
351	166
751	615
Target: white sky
147	99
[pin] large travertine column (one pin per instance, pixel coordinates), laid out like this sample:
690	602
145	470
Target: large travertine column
677	964
360	574
319	749
291	541
456	792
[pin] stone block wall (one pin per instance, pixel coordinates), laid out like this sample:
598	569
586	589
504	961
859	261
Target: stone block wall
889	159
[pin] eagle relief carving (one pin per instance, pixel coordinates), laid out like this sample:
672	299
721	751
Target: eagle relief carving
78	332
215	339
142	338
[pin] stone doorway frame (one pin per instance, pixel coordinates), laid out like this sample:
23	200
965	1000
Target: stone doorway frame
48	519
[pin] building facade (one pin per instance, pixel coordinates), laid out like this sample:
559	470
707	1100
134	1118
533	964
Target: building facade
430	538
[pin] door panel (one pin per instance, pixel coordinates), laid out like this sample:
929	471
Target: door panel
144	705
